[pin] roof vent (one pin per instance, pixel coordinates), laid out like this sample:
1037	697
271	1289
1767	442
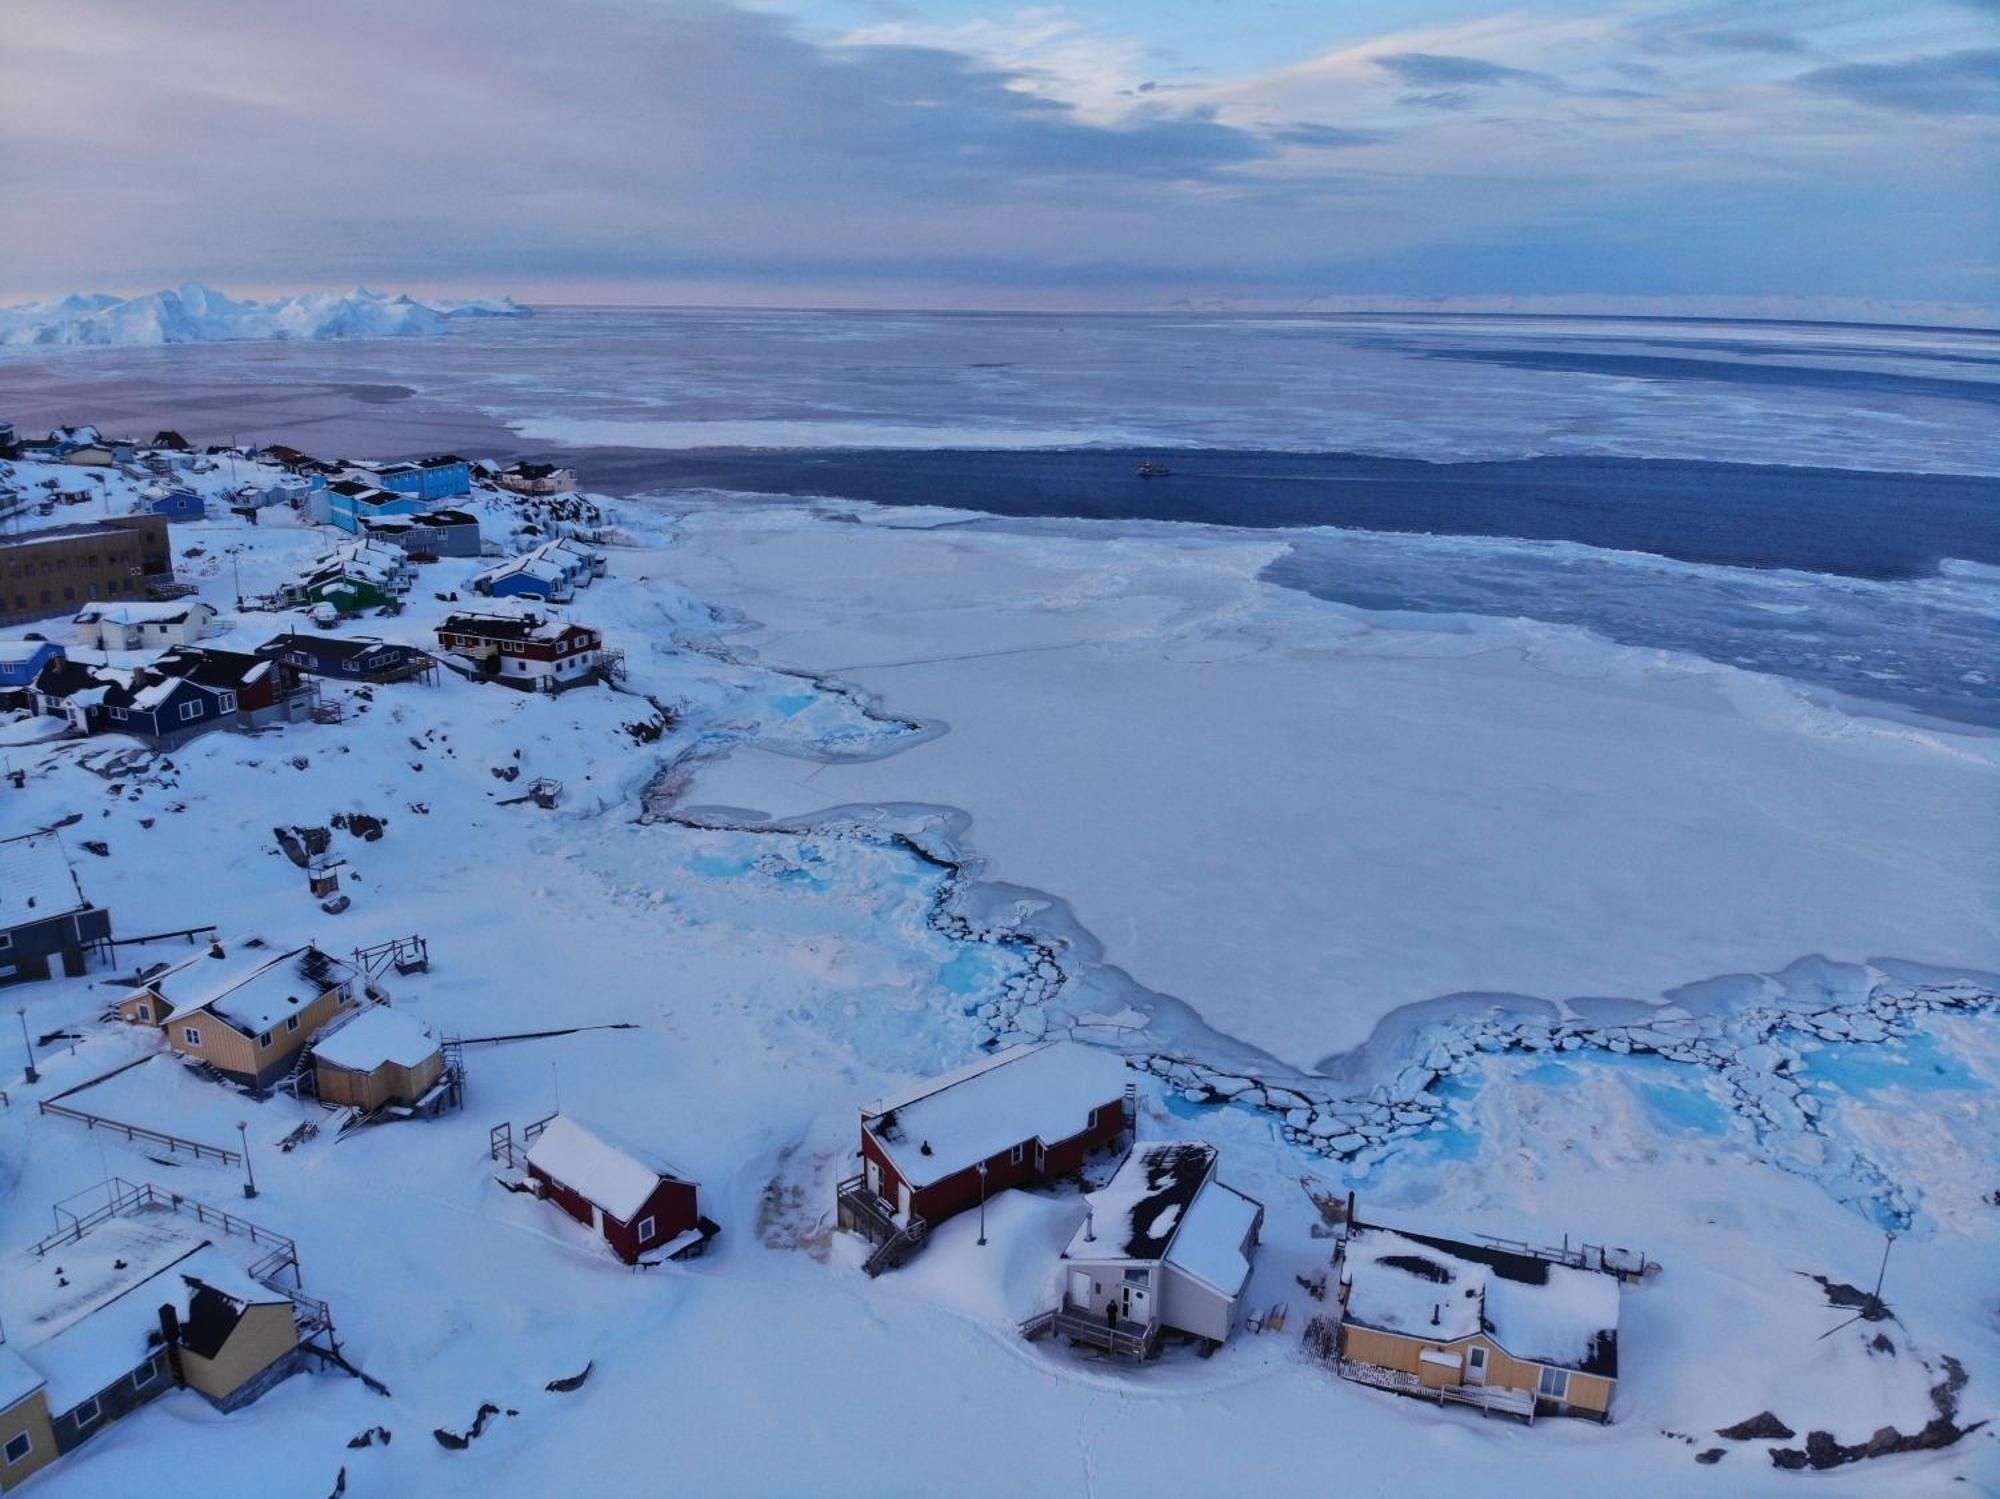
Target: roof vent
1436	1314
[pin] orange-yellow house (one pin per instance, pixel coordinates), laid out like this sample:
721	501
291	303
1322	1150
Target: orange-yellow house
1491	1327
245	1007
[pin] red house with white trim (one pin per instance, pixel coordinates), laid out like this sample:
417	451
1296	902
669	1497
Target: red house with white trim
1020	1117
641	1206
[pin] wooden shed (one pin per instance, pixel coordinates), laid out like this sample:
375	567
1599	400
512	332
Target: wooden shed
641	1206
377	1059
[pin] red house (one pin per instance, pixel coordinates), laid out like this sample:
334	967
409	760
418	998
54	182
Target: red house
640	1205
1022	1116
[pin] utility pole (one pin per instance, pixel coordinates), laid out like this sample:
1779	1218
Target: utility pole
982	1203
249	1176
27	1045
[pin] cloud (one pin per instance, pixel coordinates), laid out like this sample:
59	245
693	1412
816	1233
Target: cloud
1328	137
1439	70
1743	39
1948	83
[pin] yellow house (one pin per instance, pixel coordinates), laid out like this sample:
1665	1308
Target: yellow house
376	1059
134	1309
243	1006
27	1441
1474	1323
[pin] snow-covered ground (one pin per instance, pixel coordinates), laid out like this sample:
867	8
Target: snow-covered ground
1032	780
201	314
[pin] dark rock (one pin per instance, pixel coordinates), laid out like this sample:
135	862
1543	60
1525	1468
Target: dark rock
1882	1343
571	1381
1762	1427
101	849
1822	1451
1711	1457
1787	1457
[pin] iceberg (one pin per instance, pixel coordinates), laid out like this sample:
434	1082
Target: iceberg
200	314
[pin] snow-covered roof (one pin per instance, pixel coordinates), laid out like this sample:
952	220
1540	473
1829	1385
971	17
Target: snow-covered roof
375	1037
248	983
17	1380
1443	1290
1036	1091
1213	1232
139	613
531	565
591	1161
20	652
1138	1214
36	881
89	1313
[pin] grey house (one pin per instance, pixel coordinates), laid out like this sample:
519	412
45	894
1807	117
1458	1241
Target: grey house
1165	1247
43	913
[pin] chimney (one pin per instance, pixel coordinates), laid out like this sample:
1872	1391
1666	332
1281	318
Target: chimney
1436	1313
170	1338
1089	1227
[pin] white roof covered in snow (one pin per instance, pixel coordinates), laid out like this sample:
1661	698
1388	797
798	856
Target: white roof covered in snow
86	1314
604	1169
15	652
1036	1091
1443	1290
377	1036
251	987
141	613
17	1380
36	881
1213	1232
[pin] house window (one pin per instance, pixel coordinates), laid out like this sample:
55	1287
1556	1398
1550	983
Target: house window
1018	1152
117	713
191	1035
85	1413
143	1011
227	703
265	1039
291	1022
18	1448
146	1373
645	1230
6	940
1554	1384
190	711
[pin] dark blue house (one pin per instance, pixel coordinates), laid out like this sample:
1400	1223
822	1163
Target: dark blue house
439	478
181	504
44	915
349	658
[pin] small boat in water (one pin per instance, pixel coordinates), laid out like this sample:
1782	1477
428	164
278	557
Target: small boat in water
1152	470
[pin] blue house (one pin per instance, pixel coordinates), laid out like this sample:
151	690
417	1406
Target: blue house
349	500
45	917
441	478
529	577
355	658
22	660
180	504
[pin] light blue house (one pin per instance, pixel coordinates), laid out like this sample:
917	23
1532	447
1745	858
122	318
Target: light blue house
529	577
22	660
349	501
441	478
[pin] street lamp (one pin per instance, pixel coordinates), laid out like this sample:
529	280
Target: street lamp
27	1045
249	1176
982	1203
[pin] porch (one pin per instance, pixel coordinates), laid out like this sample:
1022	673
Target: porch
1486	1399
1120	1340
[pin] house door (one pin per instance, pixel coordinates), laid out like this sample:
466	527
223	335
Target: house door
1137	1301
873	1176
902	1199
596	1218
1475	1365
1079	1290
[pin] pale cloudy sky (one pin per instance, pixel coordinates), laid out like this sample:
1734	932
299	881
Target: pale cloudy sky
942	152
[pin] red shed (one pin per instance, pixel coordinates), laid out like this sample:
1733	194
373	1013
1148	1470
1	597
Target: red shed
1025	1115
640	1205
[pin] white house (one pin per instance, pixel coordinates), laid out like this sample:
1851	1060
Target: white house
1164	1247
143	626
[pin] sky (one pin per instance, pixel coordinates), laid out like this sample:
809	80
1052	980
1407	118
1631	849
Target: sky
1836	155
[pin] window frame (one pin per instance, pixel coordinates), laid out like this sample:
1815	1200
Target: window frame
644	1228
191	1035
26	1441
79	1420
190	711
1560	1377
